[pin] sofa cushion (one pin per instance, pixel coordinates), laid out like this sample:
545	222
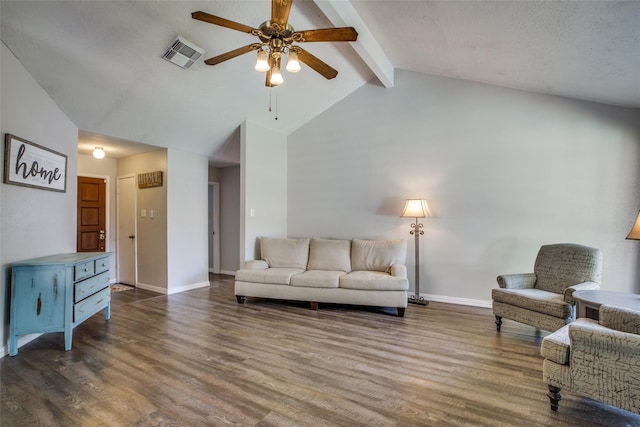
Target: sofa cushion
555	347
317	279
331	255
285	253
377	255
273	276
534	299
373	280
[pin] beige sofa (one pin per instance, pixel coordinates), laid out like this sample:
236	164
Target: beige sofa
358	272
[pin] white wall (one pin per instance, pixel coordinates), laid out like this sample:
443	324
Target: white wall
104	168
504	171
263	182
187	250
229	219
33	222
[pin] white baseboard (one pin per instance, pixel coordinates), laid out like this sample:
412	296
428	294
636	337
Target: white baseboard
189	287
456	300
25	339
228	272
176	290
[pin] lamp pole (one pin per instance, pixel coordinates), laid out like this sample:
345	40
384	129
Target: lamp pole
417	231
416	208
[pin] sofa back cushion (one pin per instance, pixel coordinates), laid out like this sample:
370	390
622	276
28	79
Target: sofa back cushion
333	255
285	253
377	255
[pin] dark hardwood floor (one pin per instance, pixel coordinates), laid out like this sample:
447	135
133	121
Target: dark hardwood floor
199	358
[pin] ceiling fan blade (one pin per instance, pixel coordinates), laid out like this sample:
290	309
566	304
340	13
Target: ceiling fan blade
231	54
344	34
318	65
216	20
280	11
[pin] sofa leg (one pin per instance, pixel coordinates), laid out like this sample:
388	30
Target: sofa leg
554	397
498	323
400	311
314	306
240	299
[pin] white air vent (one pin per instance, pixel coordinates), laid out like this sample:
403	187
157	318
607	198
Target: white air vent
183	53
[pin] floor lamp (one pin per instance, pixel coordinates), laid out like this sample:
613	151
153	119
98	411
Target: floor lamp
416	208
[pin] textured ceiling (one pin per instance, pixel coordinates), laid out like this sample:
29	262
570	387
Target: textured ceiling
100	61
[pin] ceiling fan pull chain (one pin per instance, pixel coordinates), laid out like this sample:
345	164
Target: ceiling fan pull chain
276	103
270	99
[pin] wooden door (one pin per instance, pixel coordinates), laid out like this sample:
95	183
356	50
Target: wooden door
91	228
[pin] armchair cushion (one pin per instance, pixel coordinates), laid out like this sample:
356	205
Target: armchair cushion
534	299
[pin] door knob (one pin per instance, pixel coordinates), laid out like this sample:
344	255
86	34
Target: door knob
132	237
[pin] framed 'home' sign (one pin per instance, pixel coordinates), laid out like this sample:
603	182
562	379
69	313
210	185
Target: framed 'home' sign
32	165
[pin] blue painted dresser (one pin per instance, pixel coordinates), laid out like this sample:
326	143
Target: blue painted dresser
56	293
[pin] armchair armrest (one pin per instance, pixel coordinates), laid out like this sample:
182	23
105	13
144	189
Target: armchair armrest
517	281
620	319
256	264
585	286
399	270
592	342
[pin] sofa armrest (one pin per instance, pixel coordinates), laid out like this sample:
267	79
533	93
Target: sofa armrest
399	270
256	264
517	281
585	286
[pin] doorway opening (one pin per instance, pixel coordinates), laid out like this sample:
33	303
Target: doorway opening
213	232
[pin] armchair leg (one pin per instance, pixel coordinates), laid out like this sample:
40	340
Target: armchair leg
498	323
554	397
240	299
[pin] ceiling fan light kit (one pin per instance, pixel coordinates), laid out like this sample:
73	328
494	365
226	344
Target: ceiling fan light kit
277	37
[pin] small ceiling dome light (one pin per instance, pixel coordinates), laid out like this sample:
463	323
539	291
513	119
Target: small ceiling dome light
98	153
262	64
293	66
276	77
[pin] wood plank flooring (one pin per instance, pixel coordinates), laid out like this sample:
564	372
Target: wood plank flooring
200	359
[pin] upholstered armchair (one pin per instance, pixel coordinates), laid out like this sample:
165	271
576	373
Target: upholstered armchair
544	299
596	359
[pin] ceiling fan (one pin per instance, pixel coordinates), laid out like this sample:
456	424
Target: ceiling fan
277	37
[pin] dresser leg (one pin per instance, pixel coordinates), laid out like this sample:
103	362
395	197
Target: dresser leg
68	336
13	345
107	312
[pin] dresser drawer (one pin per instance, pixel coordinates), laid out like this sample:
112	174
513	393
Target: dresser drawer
91	286
83	269
90	306
102	264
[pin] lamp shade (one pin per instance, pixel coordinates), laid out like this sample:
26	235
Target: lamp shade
634	234
276	77
416	208
262	64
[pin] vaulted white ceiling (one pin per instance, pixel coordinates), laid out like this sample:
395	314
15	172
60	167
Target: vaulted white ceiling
100	61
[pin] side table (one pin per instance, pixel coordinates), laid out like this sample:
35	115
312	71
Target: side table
588	302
